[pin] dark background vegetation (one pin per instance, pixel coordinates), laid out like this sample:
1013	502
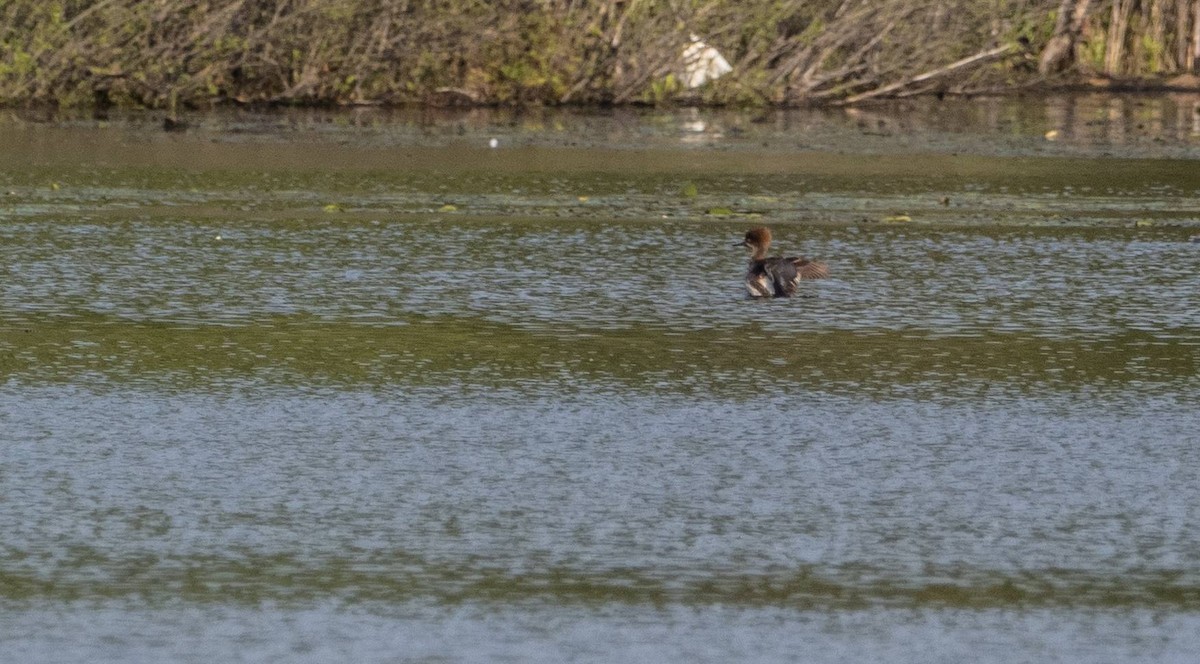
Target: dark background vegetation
198	53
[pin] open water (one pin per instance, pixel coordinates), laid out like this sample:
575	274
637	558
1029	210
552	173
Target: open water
359	387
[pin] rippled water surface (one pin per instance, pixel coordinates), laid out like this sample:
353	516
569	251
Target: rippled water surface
301	389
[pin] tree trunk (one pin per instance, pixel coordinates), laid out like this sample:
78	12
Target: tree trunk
1182	33
1114	46
1158	60
1059	52
1194	55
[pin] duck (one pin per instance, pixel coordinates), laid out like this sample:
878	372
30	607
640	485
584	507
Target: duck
776	276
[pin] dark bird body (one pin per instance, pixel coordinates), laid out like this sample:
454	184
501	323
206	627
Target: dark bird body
776	276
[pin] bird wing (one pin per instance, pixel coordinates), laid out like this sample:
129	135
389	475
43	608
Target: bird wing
807	269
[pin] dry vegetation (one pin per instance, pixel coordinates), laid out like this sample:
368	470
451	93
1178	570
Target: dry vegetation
164	53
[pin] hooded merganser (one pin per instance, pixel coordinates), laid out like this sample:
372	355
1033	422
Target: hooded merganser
776	276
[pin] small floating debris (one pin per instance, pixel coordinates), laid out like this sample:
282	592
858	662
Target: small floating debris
54	186
702	63
494	143
720	211
1143	223
448	207
332	207
1052	135
218	237
900	218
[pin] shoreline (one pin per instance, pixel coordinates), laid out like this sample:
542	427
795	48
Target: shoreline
453	100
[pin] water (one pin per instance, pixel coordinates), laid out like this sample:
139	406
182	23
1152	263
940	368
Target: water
370	392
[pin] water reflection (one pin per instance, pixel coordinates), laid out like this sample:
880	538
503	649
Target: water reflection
1121	120
1150	124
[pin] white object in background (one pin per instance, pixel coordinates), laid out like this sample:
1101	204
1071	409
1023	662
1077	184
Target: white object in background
702	63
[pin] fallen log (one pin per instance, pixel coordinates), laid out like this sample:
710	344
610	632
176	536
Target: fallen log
957	65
